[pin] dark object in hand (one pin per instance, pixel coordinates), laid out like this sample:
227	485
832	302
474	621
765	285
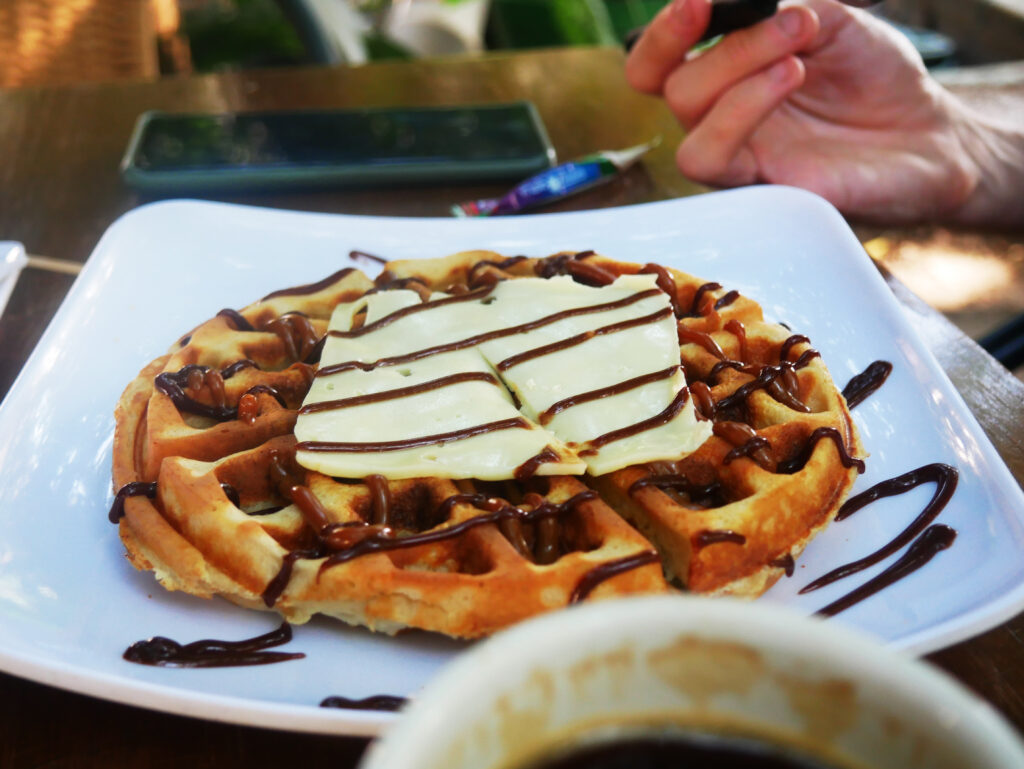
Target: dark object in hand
726	16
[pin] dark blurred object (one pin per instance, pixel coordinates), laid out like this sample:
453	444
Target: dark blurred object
726	16
985	31
936	49
1006	343
737	14
239	34
60	42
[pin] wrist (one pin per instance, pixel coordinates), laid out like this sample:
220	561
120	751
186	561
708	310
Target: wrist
996	152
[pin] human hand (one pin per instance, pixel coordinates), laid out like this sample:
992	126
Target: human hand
828	98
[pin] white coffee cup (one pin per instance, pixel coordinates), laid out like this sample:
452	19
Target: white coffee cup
697	663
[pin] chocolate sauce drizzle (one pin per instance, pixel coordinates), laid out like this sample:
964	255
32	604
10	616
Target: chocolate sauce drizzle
355	254
727	299
666	283
164	652
133	489
376	543
411	443
560	264
661	418
604	392
605	571
695	306
752	448
385	702
231	493
339	543
380	495
790	342
935	539
412	309
945	479
701	338
784	562
237	319
797	463
746	443
312	288
276	587
716	536
401	392
578	339
529	468
767	376
589	274
712	493
173	384
473	341
864	384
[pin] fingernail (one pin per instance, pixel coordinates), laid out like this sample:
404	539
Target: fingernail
682	13
779	71
790	22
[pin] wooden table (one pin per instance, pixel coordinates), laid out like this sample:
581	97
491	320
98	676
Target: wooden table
59	190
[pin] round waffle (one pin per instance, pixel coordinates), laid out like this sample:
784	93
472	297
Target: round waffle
211	497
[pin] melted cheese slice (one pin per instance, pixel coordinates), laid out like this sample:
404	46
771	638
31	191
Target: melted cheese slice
424	389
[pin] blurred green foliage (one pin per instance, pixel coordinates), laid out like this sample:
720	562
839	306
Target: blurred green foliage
237	34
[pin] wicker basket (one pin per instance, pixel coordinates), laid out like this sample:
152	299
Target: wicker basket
53	42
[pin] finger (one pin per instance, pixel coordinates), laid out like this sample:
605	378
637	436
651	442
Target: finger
691	90
711	152
664	44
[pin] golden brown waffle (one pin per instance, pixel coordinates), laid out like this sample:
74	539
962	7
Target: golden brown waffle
212	500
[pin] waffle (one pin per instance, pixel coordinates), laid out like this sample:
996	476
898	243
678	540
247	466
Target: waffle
212	498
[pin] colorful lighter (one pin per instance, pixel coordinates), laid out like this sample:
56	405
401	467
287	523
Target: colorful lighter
558	182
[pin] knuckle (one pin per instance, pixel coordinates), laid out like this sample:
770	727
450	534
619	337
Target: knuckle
683	103
697	165
745	47
640	78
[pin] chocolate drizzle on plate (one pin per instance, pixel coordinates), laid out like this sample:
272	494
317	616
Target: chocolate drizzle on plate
864	384
935	539
945	479
385	702
164	652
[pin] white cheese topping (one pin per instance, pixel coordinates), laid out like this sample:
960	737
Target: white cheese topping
565	349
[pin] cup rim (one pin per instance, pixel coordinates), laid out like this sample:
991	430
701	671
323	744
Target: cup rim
457	691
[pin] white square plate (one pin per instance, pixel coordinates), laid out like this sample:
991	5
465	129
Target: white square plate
70	603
